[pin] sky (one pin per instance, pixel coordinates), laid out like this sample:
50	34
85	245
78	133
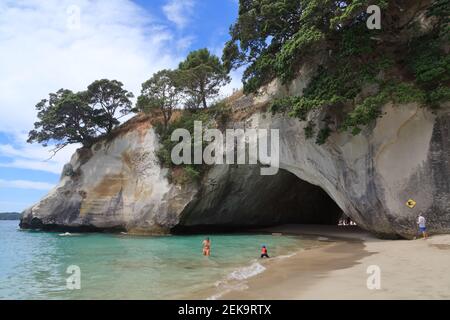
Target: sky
46	45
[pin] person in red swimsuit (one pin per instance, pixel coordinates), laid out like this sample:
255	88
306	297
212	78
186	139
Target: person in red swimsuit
264	252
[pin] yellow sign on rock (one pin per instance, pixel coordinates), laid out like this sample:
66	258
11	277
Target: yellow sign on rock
411	203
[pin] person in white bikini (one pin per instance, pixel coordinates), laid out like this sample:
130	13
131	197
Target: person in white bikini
421	221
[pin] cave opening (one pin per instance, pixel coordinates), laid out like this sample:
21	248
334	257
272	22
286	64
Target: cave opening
247	200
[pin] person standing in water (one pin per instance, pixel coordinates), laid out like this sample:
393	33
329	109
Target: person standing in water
421	221
207	247
264	252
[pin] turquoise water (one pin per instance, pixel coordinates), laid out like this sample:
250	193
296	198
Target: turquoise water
33	264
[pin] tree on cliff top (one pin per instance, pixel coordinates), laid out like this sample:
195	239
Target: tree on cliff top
67	117
64	118
200	76
270	37
109	98
406	61
160	93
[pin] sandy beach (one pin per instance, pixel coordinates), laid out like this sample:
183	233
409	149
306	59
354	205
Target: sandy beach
409	269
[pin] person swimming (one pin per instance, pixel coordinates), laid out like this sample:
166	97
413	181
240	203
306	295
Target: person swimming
207	247
264	252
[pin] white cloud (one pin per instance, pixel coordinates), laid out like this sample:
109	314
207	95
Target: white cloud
45	45
6	205
34	157
179	12
25	184
40	165
185	42
53	44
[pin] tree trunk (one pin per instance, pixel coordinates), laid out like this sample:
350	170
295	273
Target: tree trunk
204	102
166	120
203	94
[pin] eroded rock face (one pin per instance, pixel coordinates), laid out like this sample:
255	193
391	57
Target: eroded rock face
371	176
119	185
232	197
115	185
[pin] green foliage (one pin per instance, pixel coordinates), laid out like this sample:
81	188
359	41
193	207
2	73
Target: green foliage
339	82
200	76
301	106
323	135
364	113
298	107
107	98
403	92
67	117
197	80
370	109
309	130
64	118
270	37
185	121
163	153
160	93
356	60
355	41
215	116
291	50
282	105
352	9
220	112
259	32
257	74
437	96
192	173
429	63
440	9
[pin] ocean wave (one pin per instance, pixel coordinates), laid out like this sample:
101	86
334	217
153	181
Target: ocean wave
235	280
67	234
244	273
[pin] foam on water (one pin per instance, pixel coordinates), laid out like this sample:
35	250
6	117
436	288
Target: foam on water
247	272
235	280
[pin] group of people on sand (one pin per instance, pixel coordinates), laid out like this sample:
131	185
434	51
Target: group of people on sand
421	223
346	221
207	249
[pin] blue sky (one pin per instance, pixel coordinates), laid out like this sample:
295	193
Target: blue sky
47	45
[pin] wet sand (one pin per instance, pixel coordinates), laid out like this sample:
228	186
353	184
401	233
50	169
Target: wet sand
338	270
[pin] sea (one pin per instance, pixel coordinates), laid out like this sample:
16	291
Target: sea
51	265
